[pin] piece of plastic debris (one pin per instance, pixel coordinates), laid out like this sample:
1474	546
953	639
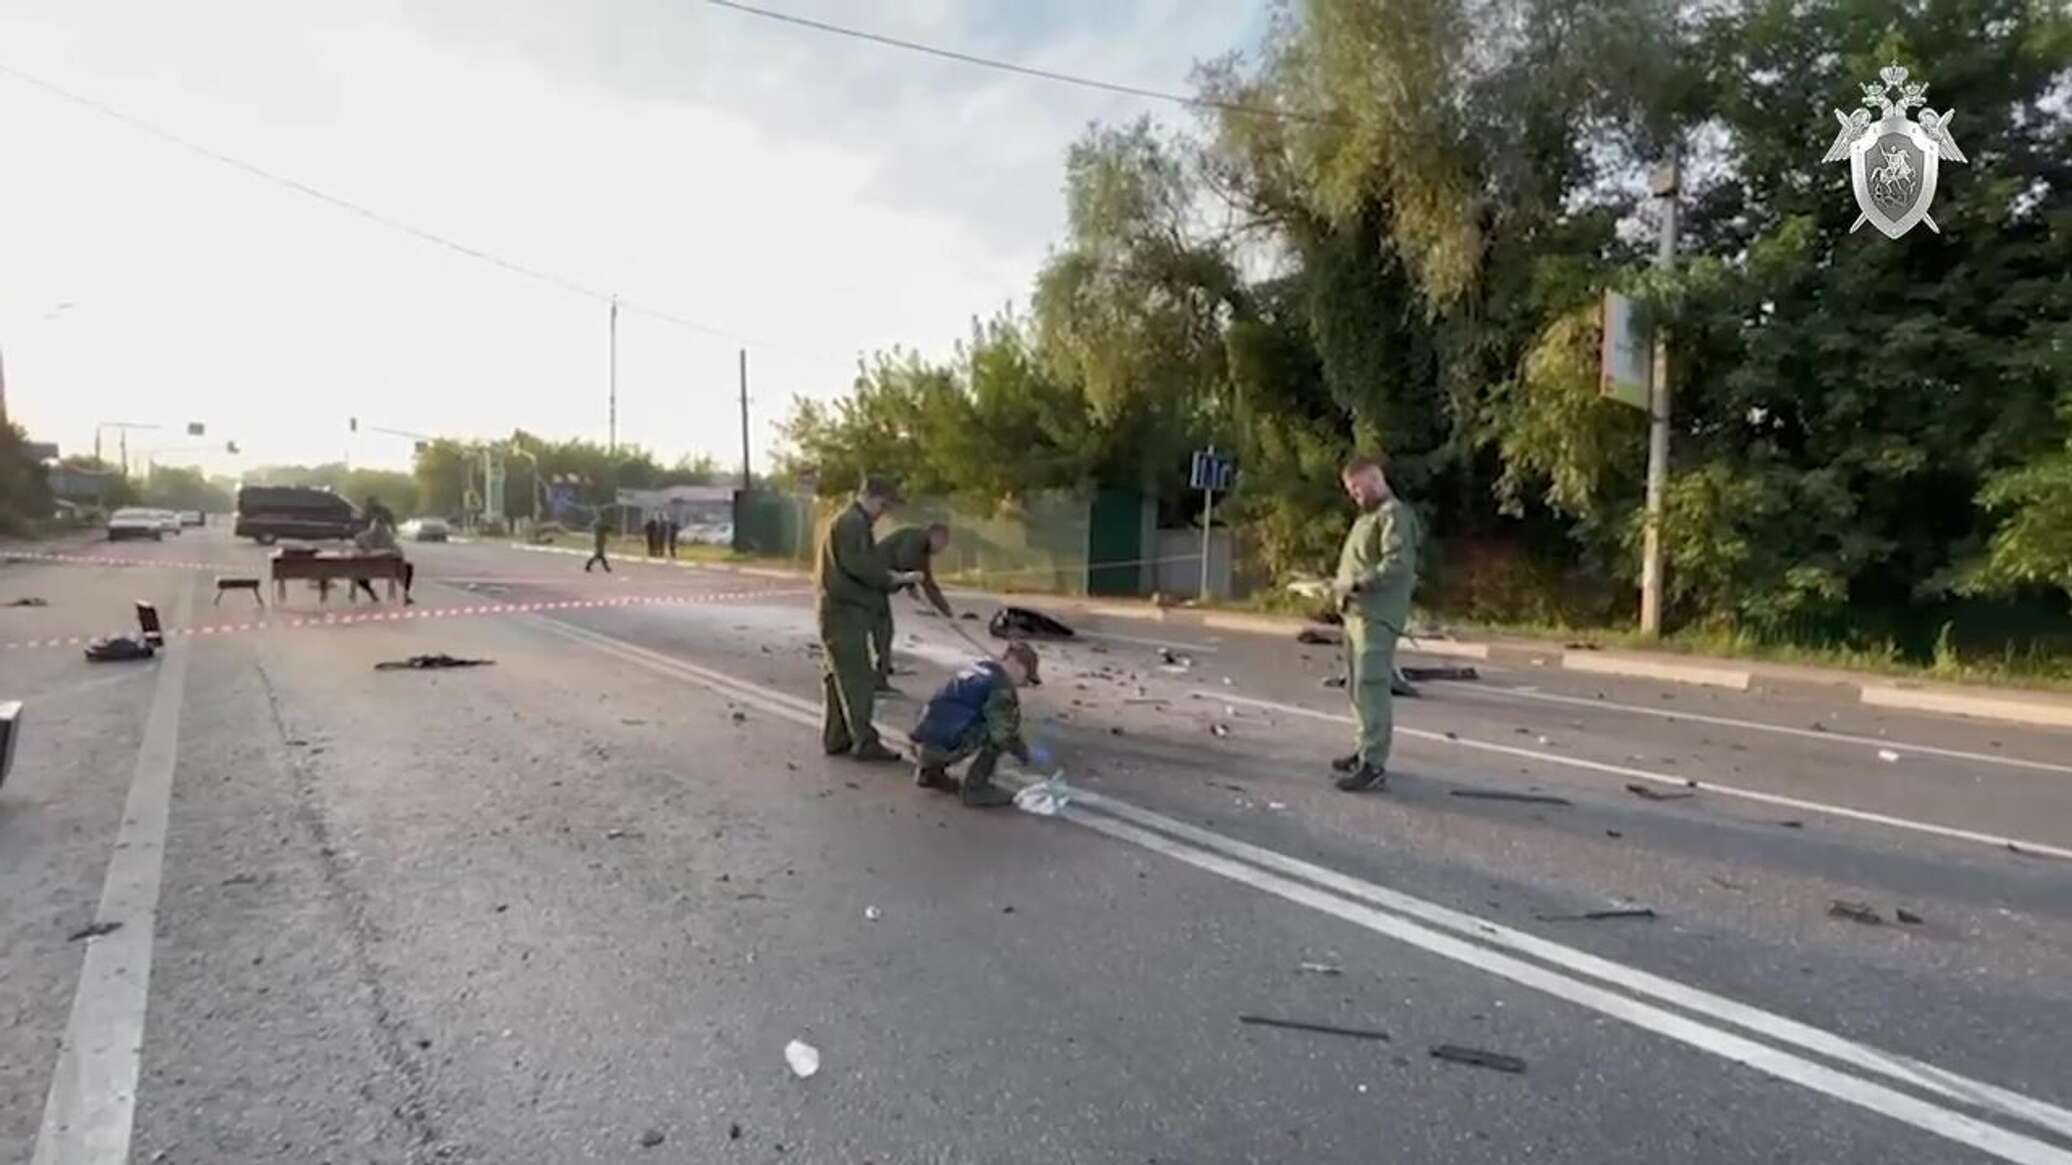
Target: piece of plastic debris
1219	729
1479	1058
1421	674
803	1057
28	601
740	717
1888	756
1045	798
1320	969
1792	824
873	913
1907	916
1276	805
424	662
95	931
1647	793
1325	1028
1503	795
651	1138
1598	915
1855	912
1334	681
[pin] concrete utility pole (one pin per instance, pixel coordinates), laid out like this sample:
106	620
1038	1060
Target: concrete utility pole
612	431
747	479
1664	185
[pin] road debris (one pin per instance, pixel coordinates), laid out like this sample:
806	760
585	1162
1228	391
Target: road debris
1321	636
1855	912
29	601
734	1131
651	1138
1023	623
872	913
428	662
1613	833
1505	795
118	648
1304	1026
1046	798
1479	1058
1319	969
1888	756
95	931
1649	793
1334	681
1908	917
1219	729
1599	915
1276	806
739	717
1794	823
1422	674
803	1057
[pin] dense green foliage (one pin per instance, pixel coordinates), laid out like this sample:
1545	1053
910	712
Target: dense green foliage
24	491
1864	429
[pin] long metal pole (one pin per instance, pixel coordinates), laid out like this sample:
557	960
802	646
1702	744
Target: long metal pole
1658	424
612	430
747	478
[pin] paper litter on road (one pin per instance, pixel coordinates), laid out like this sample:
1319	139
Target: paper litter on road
872	913
1888	756
804	1058
1045	798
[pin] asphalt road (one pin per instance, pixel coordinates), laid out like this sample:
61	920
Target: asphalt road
572	907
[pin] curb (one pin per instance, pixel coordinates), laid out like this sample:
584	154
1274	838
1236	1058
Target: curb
1641	667
1997	706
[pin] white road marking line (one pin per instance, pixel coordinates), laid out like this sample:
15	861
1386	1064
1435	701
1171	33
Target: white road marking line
1922	1114
1175	644
1759	726
1993	839
88	1114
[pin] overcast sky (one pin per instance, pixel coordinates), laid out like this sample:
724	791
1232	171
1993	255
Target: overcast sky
806	196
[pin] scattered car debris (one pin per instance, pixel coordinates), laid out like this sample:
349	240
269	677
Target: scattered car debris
1888	756
429	662
734	1131
1794	823
118	648
872	913
1219	729
651	1138
1334	681
95	931
1320	969
803	1057
1044	798
1908	917
29	601
971	616
1613	833
1725	884
739	717
1276	806
1855	912
1023	623
1422	674
1479	1058
1506	795
1599	915
1649	793
1321	636
1305	1026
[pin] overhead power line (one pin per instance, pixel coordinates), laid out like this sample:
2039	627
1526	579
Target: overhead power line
1029	71
374	216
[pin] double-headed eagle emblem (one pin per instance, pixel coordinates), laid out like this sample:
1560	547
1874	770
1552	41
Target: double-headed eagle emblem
1893	159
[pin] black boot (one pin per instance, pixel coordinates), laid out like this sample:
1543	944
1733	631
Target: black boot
979	791
1345	764
1363	779
933	777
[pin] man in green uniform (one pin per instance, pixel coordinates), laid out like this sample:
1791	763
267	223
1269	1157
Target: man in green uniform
600	535
1376	571
911	549
853	585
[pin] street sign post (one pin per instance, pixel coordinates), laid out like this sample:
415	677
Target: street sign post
1209	473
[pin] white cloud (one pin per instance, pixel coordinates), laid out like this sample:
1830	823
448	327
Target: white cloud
818	195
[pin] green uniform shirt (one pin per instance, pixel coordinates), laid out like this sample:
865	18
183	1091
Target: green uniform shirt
908	549
848	572
1378	566
602	531
1004	721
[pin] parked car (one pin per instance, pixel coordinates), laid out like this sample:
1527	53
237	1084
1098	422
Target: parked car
169	521
268	513
193	518
134	522
424	530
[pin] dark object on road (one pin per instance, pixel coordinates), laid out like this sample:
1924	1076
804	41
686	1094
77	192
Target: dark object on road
1647	793
238	583
1022	623
1440	673
10	732
971	616
1320	636
651	1138
1908	917
1334	681
1582	647
147	622
1855	912
1479	1058
1327	617
95	931
734	1131
425	662
116	648
1502	795
1598	915
1792	824
28	601
1324	1028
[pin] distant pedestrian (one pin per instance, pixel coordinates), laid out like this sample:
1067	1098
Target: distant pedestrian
852	582
1376	570
378	540
653	530
670	529
601	532
910	549
977	714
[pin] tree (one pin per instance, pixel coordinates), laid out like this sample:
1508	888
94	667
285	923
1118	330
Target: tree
173	487
24	488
